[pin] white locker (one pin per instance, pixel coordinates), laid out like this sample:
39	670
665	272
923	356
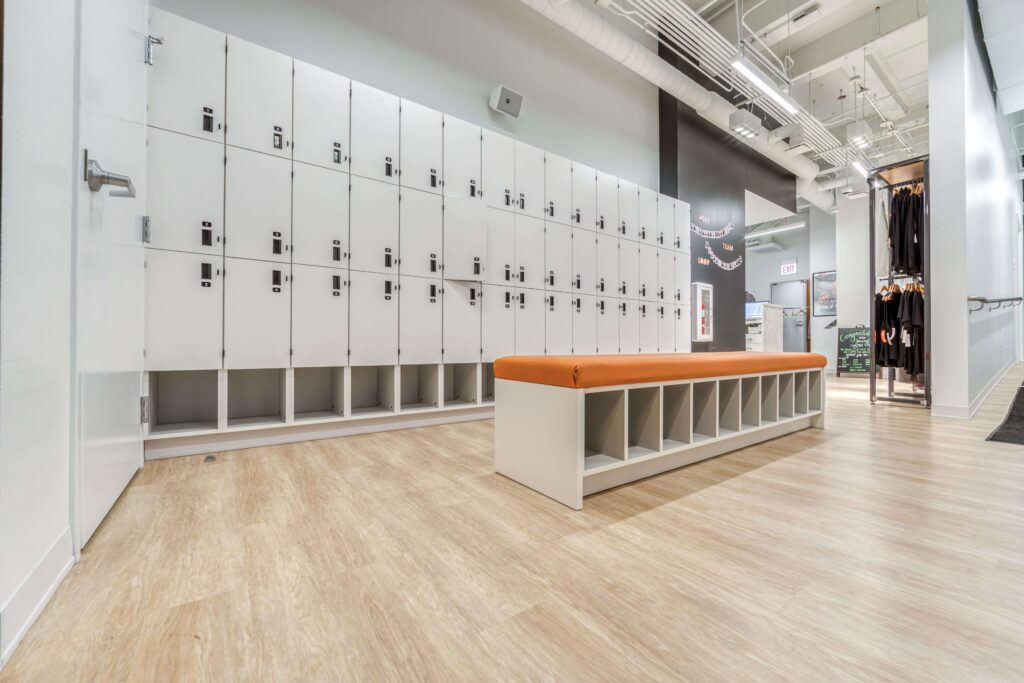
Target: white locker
465	238
682	315
321	117
682	241
584	261
374	134
257	313
557	189
373	310
666	222
648	219
608	315
257	206
499	265
629	270
499	169
607	190
498	331
461	328
629	326
558	323
584	324
648	275
461	158
682	283
607	265
529	183
186	79
421	147
319	216
584	197
529	324
629	210
666	276
184	311
319	317
374	232
666	328
419	320
419	234
558	257
530	252
185	197
647	312
259	98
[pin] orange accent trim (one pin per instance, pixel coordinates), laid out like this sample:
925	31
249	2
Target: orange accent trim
583	372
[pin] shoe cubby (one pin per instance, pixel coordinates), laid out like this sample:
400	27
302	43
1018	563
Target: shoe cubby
785	396
750	402
815	388
705	411
182	401
604	429
644	433
728	406
676	416
487	382
420	388
769	399
319	393
373	390
256	397
460	385
800	393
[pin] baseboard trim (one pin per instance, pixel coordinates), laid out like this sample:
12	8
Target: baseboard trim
967	412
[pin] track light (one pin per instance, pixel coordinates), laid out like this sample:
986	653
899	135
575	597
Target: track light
744	124
764	83
858	134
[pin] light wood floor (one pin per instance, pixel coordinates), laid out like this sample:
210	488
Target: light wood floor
889	546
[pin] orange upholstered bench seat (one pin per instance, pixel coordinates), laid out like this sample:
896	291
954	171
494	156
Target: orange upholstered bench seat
584	372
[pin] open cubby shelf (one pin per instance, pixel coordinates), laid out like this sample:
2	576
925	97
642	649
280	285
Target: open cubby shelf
604	430
420	389
461	384
183	401
256	398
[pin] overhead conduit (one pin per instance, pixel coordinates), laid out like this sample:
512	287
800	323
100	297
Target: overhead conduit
577	18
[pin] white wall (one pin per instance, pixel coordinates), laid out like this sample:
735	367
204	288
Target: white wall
822	257
852	255
450	54
762	269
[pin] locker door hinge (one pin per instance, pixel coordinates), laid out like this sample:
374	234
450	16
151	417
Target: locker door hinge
147	229
150	42
144	409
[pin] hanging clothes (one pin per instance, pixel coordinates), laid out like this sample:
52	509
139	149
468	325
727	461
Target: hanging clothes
905	231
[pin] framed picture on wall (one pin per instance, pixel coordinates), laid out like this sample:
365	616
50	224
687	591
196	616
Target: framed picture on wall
823	292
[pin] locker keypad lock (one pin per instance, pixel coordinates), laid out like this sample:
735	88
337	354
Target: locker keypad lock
387	290
336	285
472	296
522	202
661	238
508	197
551	302
508	272
551	209
476	265
577	215
336	152
433	177
522	273
433	263
551	279
600	222
661	292
508	299
389	167
579	282
206	234
522	299
279	141
472	188
600	285
433	293
208	120
206	274
275	280
387	257
643	233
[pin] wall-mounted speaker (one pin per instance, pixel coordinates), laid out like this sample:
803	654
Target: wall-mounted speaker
506	101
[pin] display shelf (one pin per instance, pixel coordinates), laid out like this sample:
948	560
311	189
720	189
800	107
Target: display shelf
604	429
644	433
319	393
785	395
705	411
256	398
182	402
460	384
593	461
372	390
728	406
676	416
800	393
420	387
769	399
750	402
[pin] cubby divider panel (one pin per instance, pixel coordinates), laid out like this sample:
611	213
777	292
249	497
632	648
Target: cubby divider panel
419	387
487	380
676	417
373	390
816	379
769	399
460	386
785	395
800	393
751	402
182	401
728	406
256	397
604	429
644	434
705	411
319	393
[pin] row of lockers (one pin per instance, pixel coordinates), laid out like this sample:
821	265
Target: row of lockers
241	313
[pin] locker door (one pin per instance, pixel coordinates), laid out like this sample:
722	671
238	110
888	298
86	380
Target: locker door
666	328
629	210
584	261
184	308
608	315
629	270
419	320
557	189
666	222
530	252
558	257
648	314
374	134
648	272
185	192
499	169
321	117
259	98
584	197
607	190
682	241
607	265
682	283
682	314
461	158
421	147
529	322
419	232
465	238
257	206
584	324
374	231
666	276
186	79
319	317
648	222
257	313
498	331
529	192
373	309
461	329
499	266
558	323
319	216
629	326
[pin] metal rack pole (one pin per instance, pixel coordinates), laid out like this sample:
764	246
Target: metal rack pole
873	368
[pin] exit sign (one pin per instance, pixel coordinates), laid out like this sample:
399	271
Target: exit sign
787	267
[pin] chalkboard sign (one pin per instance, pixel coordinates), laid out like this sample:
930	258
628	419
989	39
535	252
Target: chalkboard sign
854	350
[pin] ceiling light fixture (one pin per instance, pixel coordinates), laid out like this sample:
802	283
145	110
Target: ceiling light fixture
744	124
858	134
764	83
762	233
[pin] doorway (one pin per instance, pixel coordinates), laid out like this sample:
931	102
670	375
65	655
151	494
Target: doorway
794	297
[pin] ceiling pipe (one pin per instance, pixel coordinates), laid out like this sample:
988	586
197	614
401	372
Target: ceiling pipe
577	18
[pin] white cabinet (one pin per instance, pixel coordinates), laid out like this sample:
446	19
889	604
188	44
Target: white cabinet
374	134
557	189
584	324
607	203
184	305
682	241
607	265
648	275
186	80
499	169
419	232
185	192
259	98
421	147
319	317
498	329
629	326
558	323
666	328
419	320
666	276
465	238
319	216
529	180
584	197
682	283
462	305
530	252
682	320
257	206
647	230
629	270
558	257
584	261
629	210
373	309
461	158
529	323
499	265
666	222
257	312
647	312
608	325
321	123
374	231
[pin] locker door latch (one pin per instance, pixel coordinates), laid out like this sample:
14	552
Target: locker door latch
579	283
433	263
433	178
600	222
472	188
623	288
661	238
643	290
508	299
389	167
551	303
387	290
522	273
206	275
551	278
277	244
577	216
551	209
600	285
206	234
678	242
147	229
278	137
578	306
336	254
472	296
600	306
679	314
508	197
522	299
336	153
622	228
643	233
508	272
476	265
387	257
522	202
275	281
208	120
433	293
661	292
336	285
